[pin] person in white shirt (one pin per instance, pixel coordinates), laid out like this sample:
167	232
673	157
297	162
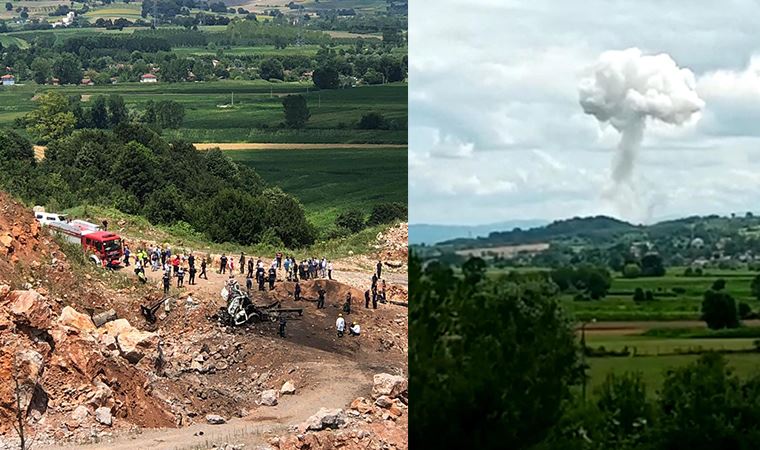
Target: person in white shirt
354	330
340	324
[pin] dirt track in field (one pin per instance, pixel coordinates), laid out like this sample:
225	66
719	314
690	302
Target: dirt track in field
39	150
266	146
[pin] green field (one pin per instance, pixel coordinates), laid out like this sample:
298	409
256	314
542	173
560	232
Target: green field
130	11
7	41
330	181
667	304
654	332
257	112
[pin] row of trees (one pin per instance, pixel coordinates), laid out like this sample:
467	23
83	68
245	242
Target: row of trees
57	115
102	58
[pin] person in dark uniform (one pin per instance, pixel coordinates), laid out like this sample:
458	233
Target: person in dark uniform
203	270
250	267
283	322
241	261
321	299
374	299
223	264
191	260
379	269
260	276
180	277
191	271
366	298
272	277
167	281
297	292
347	304
374	280
261	282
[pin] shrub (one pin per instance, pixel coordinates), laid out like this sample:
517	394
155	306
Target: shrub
372	121
352	220
326	77
638	295
631	271
745	311
719	310
387	213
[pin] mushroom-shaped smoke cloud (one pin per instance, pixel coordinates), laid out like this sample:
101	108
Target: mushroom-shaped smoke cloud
626	87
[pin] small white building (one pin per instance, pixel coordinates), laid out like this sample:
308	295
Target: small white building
8	80
66	21
148	78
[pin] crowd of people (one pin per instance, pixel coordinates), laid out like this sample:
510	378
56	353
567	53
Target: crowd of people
178	265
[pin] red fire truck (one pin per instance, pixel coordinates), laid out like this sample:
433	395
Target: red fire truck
101	247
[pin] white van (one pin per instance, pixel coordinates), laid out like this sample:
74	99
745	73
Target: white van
45	218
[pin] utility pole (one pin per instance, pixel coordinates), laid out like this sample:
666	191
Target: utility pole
233	98
155	13
583	356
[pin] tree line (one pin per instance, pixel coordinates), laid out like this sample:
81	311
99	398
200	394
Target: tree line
496	364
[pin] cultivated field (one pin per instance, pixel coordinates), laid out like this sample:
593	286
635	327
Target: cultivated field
257	112
653	336
330	181
668	331
676	297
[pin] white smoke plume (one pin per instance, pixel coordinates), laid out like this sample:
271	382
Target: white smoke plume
626	87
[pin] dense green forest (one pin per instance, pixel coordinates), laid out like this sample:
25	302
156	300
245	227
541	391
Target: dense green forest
133	169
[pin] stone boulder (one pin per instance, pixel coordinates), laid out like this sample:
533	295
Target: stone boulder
71	319
30	365
103	416
384	401
362	405
288	388
135	344
80	413
30	308
390	385
215	419
102	318
269	397
325	418
116	327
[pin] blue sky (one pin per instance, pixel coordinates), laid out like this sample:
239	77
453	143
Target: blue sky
496	131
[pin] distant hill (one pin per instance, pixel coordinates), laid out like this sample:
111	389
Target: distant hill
431	234
592	228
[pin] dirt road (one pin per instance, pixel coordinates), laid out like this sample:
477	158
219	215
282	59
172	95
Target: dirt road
334	385
39	150
268	146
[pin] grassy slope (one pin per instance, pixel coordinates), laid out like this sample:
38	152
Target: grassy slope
330	181
256	112
138	227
